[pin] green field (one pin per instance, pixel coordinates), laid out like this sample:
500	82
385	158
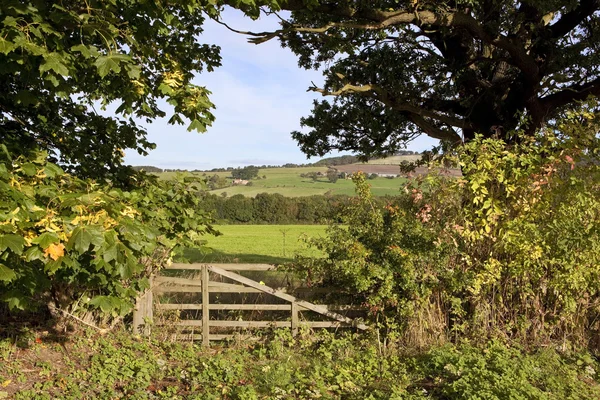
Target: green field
270	244
287	181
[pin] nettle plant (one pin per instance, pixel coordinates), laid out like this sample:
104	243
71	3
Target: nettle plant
511	248
77	244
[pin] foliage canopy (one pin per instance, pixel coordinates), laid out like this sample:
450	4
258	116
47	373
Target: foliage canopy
60	60
449	69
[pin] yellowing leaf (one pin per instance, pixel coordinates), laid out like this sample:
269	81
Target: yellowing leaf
55	251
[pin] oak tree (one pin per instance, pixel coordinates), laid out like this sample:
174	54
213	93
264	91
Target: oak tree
448	69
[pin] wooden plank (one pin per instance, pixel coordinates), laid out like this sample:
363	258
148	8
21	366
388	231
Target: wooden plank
166	281
149	309
179	307
263	307
327	324
235	324
277	293
295	310
205	312
138	314
251	324
227	267
211	289
163	280
196	336
251	307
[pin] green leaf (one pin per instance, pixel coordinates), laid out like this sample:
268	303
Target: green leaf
7	274
55	62
110	63
12	242
29	169
84	236
105	303
46	239
80	240
134	71
53	170
197	125
34	253
86	51
6	46
165	89
110	253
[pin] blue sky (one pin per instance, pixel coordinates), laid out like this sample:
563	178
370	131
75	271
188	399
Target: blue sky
260	95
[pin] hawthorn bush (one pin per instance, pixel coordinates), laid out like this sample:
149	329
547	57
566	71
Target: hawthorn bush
77	244
510	249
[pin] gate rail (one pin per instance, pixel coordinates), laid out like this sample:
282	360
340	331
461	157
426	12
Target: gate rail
145	305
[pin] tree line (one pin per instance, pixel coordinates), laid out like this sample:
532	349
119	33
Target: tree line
274	208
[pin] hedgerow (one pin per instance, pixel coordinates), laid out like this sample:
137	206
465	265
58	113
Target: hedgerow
511	249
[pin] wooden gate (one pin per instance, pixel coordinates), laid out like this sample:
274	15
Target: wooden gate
160	285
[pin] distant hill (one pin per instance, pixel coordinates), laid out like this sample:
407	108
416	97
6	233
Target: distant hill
331	161
147	168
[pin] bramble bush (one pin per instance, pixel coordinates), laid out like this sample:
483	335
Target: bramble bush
82	245
510	249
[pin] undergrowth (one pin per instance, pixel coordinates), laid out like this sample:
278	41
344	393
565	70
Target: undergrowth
315	366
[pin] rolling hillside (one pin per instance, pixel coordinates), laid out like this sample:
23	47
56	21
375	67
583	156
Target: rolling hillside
289	182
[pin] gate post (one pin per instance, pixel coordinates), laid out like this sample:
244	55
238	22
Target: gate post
205	301
143	312
294	318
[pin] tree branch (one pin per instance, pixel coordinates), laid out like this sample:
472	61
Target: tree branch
570	20
433	131
572	93
382	96
379	19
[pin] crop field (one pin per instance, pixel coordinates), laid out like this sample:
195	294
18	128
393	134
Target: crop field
394	160
288	182
269	244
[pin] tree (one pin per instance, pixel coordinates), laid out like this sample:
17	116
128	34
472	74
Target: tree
332	175
61	60
217	182
449	69
246	173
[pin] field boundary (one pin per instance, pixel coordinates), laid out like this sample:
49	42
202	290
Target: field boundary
147	303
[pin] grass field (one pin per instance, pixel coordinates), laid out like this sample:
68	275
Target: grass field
270	244
287	181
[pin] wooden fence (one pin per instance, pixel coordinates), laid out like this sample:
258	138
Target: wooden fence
161	285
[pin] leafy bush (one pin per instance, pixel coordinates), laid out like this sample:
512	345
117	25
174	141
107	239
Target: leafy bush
67	242
512	248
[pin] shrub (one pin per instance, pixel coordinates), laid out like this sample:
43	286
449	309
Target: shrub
71	243
510	249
